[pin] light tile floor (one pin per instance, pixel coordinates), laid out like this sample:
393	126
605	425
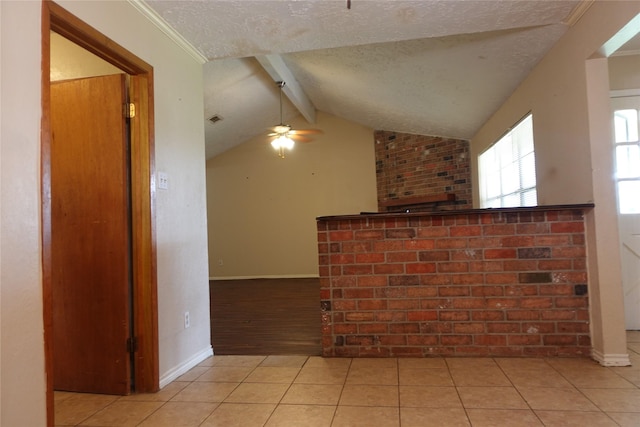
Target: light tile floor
300	391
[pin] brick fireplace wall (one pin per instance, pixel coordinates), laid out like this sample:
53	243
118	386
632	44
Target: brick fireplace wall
501	282
410	166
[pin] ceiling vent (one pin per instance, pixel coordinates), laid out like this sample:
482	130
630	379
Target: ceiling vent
215	119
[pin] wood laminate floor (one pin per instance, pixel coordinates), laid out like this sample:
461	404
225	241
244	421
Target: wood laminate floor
265	317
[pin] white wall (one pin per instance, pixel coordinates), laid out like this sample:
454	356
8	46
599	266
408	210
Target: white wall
568	96
263	209
22	369
180	211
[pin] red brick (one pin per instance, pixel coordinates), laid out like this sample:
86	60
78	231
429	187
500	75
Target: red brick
390	316
533	302
401	256
451	243
387	292
372	304
404	328
456	339
555	264
453	267
433	232
484	242
567	227
569	252
552	240
393	340
422	340
560	340
453	291
371	281
520	265
388	246
487	315
517	241
486	265
467	279
434	255
357	293
529	339
502	303
503	328
400	233
453	316
345	328
342	259
404	280
485	291
343	281
523	315
465	255
468	303
368	235
556	289
419	244
468	328
373	328
490	340
571	302
359	317
471	230
420	268
369	258
435	279
499	253
403	304
341	235
423	292
532	228
388	268
342	305
558	315
573	327
543	328
356	247
355	270
498	230
521	290
422	315
501	278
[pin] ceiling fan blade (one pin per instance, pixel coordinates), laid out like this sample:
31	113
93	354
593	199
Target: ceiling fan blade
300	138
305	132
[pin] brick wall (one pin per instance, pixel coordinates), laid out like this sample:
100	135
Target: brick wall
505	282
410	165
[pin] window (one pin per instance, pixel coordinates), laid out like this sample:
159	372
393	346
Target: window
508	169
627	160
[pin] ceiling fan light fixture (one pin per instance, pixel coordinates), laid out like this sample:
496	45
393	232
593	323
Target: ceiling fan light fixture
281	143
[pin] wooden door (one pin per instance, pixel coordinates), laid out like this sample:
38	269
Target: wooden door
90	236
626	112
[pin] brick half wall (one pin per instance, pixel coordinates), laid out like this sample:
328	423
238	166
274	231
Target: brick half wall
505	282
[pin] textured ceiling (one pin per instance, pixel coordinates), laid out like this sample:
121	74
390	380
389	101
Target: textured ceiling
429	67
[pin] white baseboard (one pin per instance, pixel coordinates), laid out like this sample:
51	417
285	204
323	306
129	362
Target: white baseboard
287	276
611	359
184	367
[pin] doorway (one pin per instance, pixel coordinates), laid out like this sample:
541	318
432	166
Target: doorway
142	223
626	118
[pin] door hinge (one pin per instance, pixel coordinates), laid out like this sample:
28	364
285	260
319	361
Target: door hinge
129	110
132	344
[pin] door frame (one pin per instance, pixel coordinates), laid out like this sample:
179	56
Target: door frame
144	306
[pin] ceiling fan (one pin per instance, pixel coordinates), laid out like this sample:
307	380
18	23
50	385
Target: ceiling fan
284	136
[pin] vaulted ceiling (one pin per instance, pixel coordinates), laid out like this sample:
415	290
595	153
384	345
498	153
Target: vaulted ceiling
432	67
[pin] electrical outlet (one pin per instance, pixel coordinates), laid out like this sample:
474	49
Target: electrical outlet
163	180
187	320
